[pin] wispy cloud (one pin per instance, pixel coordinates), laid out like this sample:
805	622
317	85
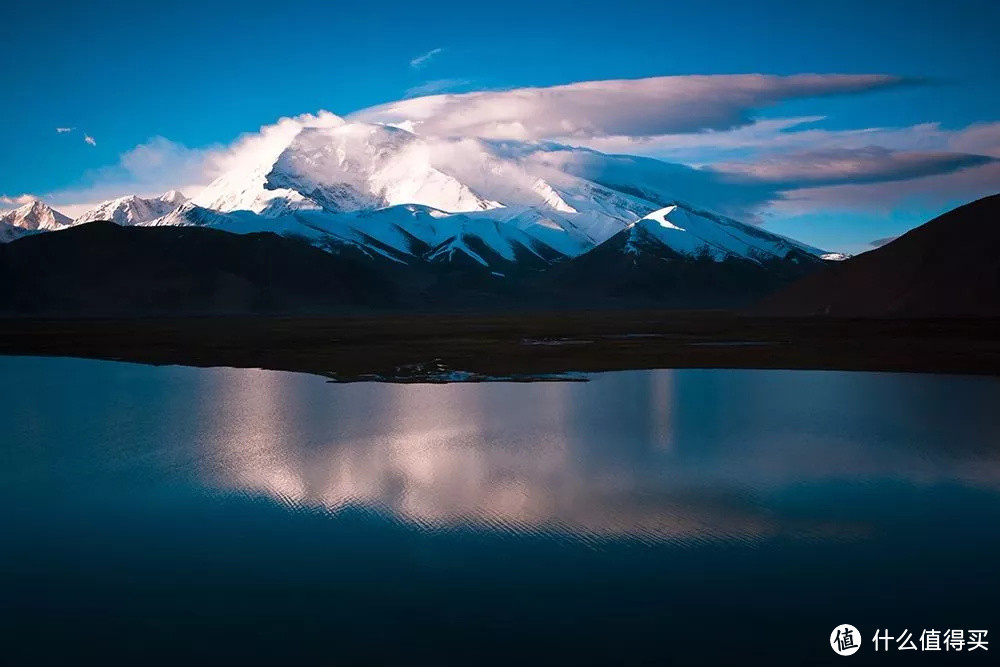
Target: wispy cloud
933	191
64	130
89	139
870	164
775	136
424	59
626	107
708	145
945	168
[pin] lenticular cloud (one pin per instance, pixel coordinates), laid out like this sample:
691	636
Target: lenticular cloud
623	107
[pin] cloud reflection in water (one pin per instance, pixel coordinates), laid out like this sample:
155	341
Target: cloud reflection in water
660	455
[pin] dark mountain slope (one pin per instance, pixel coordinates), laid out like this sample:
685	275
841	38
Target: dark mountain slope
635	267
103	269
948	267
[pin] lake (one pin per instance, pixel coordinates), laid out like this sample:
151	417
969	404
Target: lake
658	517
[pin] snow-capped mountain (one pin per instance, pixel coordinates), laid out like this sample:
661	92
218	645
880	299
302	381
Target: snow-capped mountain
686	232
412	199
684	257
35	216
358	166
132	210
391	192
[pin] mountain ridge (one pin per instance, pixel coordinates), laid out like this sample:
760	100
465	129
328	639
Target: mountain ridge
947	267
460	210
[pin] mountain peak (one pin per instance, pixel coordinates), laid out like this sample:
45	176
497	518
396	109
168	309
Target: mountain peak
359	166
133	210
36	215
174	197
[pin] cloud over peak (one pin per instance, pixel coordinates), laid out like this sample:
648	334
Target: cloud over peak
19	200
623	107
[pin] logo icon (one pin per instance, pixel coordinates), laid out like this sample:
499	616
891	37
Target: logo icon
845	639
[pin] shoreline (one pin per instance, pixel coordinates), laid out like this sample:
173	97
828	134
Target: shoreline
517	347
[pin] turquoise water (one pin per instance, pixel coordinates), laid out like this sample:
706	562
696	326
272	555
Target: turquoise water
688	516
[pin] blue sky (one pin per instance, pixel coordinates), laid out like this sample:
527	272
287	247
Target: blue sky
201	74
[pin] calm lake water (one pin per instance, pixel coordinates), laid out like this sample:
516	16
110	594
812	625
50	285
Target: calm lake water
690	516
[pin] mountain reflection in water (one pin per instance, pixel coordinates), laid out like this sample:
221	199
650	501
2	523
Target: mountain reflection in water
650	455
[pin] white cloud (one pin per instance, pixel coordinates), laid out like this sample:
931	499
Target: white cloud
982	138
264	145
625	107
63	130
89	139
16	201
943	187
423	59
934	191
860	165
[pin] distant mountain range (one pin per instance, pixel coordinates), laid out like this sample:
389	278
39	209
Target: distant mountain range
450	222
458	214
